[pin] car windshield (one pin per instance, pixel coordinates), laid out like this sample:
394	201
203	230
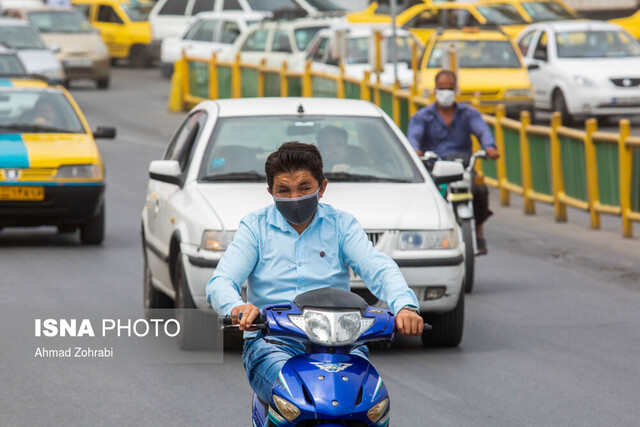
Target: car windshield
11	65
546	11
354	149
325	6
501	14
20	37
274	5
304	36
476	54
358	49
137	11
60	22
596	44
33	111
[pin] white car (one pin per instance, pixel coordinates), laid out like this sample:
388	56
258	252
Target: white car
36	57
278	41
353	45
582	68
207	33
212	175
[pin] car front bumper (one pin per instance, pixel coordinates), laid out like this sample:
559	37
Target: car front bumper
64	204
86	69
604	102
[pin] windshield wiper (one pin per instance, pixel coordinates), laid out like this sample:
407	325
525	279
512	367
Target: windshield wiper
346	177
35	128
248	176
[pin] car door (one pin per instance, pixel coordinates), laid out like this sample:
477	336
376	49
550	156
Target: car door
162	205
112	29
254	47
280	48
540	70
200	43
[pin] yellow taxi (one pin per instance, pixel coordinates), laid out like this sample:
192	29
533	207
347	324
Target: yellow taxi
630	23
124	27
533	10
488	65
51	172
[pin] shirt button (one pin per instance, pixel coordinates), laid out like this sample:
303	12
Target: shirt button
300	264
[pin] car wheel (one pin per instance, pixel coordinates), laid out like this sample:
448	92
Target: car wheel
153	298
139	57
197	328
447	328
559	104
92	232
469	256
103	83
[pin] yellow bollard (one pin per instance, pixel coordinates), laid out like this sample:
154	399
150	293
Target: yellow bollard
176	95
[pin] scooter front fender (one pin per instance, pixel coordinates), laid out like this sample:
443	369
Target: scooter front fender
464	211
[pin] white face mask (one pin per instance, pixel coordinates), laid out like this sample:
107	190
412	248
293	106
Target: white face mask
445	97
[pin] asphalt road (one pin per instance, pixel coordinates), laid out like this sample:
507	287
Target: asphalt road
552	329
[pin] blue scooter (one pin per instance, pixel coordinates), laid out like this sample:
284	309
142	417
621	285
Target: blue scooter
327	386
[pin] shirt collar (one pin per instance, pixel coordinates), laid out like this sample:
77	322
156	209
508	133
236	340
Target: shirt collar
275	218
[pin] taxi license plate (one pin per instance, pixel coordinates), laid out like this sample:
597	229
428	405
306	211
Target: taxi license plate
626	101
78	63
35	194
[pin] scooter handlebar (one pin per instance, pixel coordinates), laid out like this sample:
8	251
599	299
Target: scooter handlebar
259	322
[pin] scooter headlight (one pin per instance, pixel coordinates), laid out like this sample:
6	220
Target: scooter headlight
332	327
286	408
377	411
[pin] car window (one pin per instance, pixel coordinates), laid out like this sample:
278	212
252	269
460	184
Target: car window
202	6
173	7
206	31
426	19
525	42
447	18
281	42
83	9
181	145
230	32
318	51
358	49
541	53
60	22
325	6
501	14
107	14
10	64
596	44
476	54
20	37
546	11
256	42
303	36
231	5
273	5
193	29
33	111
355	149
137	12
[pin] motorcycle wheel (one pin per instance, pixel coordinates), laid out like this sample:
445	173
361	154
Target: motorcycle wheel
469	256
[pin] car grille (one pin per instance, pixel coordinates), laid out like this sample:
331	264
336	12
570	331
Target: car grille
374	236
626	82
32	174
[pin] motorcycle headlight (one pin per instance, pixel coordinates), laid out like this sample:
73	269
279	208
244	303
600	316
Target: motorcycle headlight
286	408
79	172
213	240
424	240
377	411
518	93
330	327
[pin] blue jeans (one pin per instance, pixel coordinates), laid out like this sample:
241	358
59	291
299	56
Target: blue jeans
263	361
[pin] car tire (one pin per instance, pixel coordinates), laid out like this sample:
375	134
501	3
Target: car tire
152	298
560	104
92	232
139	57
447	328
103	83
197	328
469	255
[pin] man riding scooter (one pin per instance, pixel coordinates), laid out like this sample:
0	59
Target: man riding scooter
445	128
293	246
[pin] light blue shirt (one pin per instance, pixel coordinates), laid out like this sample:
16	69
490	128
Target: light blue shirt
279	263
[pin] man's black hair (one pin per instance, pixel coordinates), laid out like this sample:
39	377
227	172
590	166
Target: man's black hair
446	73
292	157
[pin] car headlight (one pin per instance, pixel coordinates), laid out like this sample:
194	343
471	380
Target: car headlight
213	240
423	240
286	408
518	93
79	172
377	411
583	81
332	328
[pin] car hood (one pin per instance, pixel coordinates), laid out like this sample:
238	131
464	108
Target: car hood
38	60
46	150
376	206
595	68
74	44
483	79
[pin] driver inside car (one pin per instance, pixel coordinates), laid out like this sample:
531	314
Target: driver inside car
293	246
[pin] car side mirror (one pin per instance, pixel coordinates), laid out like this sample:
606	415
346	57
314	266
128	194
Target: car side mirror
533	67
55	48
446	171
104	132
166	171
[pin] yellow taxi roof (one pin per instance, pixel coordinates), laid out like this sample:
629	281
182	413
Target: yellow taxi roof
26	82
472	33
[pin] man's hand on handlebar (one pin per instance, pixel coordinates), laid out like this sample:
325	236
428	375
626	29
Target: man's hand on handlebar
492	153
409	323
244	315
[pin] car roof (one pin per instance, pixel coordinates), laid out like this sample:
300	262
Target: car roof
469	34
237	14
244	107
13	22
363	29
577	25
26	82
300	22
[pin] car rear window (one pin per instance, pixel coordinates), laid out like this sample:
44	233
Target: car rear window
476	54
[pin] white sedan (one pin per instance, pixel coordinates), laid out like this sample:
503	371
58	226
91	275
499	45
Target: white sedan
582	68
212	175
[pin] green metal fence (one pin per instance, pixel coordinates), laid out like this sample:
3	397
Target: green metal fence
512	155
386	102
271	84
249	87
608	173
540	151
574	173
490	169
323	87
351	90
224	82
198	79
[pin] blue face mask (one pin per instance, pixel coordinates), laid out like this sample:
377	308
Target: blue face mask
298	209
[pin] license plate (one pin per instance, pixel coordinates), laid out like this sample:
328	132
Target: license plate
626	101
35	194
78	63
353	277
